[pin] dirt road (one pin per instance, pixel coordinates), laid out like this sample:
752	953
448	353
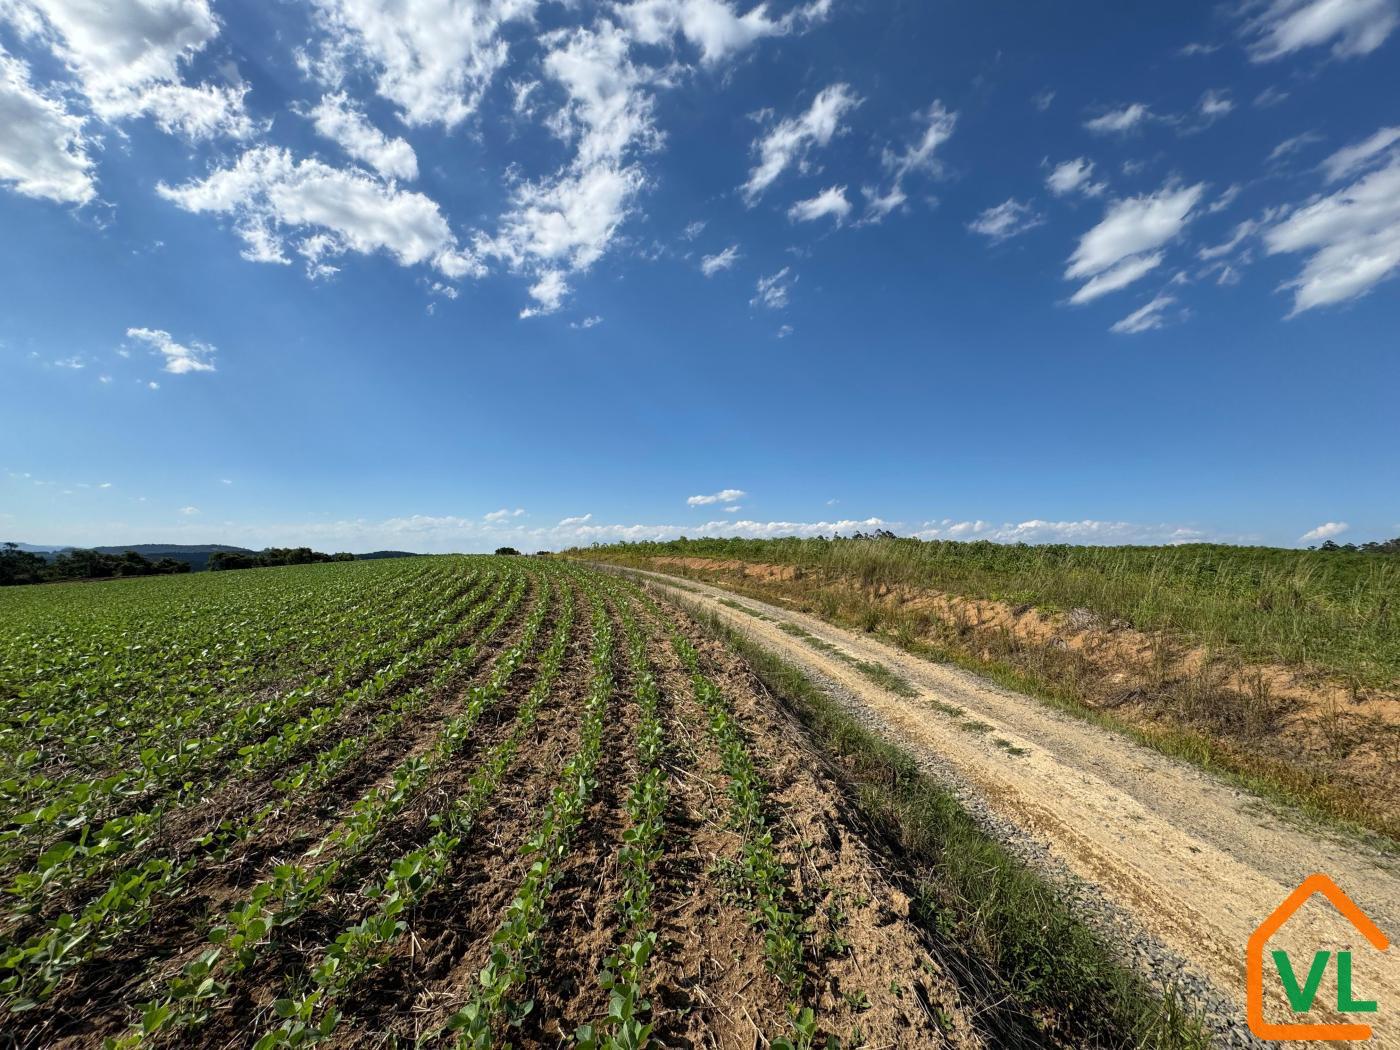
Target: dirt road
1159	854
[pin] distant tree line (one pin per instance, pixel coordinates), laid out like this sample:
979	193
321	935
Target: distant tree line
17	566
1369	547
220	560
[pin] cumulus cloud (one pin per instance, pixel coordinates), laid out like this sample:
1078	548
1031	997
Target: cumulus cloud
1351	27
341	121
548	293
1119	121
434	59
713	264
1351	238
581	519
127	57
1036	530
567	221
1074	176
1325	531
180	358
504	514
43	152
713	26
789	141
772	291
280	204
1146	318
1123	247
829	202
722	496
1007	219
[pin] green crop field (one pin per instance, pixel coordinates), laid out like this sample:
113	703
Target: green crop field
458	801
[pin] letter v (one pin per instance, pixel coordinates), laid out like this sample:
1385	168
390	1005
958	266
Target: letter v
1301	999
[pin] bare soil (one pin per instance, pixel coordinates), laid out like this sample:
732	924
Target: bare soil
1178	856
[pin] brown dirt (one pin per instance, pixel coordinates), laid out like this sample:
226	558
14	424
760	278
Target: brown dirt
1193	863
1324	732
870	968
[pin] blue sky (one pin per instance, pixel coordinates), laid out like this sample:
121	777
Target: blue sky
443	274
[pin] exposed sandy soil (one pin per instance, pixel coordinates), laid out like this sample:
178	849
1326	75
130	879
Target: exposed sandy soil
1193	863
1298	719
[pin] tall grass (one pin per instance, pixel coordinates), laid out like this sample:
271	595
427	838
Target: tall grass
1335	611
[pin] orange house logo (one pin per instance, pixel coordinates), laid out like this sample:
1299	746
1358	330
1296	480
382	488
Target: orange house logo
1302	994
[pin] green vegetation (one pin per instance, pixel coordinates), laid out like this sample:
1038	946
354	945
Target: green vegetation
1336	610
17	566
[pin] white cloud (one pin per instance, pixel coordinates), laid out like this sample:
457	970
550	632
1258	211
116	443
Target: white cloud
280	204
582	519
339	120
1214	104
43	152
189	511
1043	100
1289	146
1123	246
1146	318
504	514
1325	531
592	321
1117	277
789	142
179	358
1118	121
693	229
713	25
1196	48
1037	530
784	331
434	59
1007	219
1270	96
713	264
1074	176
920	155
548	292
1242	232
722	496
1352	27
569	219
1359	156
1353	237
830	201
127	57
772	291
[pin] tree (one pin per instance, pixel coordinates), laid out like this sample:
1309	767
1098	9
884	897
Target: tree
506	550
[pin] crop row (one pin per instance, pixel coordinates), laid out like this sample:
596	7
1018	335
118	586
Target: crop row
293	888
625	1027
493	1001
308	1012
84	694
35	966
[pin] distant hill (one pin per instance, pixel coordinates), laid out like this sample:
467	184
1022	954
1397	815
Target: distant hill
194	554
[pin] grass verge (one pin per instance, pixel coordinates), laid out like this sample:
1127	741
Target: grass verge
972	892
